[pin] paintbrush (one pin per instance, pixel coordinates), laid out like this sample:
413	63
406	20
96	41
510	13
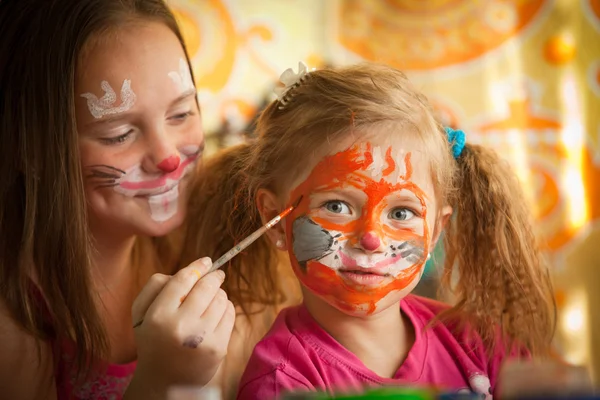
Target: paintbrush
237	249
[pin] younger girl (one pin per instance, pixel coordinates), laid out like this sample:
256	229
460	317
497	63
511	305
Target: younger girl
378	181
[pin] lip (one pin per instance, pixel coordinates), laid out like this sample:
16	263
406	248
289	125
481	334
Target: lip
379	268
360	276
161	190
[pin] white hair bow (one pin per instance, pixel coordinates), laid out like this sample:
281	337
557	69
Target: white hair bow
289	80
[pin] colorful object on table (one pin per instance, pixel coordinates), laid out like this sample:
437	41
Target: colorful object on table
457	139
372	394
414	394
387	393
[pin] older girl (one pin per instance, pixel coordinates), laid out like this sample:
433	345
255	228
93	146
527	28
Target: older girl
101	134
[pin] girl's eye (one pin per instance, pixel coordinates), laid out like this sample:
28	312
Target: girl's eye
117	139
401	214
337	207
181	116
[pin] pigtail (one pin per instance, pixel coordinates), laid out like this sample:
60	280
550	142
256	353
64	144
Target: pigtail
502	279
220	214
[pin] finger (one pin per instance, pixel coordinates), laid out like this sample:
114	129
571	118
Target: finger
215	311
225	326
202	294
180	284
147	295
218	339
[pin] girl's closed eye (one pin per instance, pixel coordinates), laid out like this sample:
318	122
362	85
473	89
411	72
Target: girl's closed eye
337	207
180	117
117	139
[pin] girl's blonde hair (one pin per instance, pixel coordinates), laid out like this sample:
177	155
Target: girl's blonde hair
502	280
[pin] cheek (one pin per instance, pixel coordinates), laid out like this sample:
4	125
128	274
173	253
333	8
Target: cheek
309	241
193	130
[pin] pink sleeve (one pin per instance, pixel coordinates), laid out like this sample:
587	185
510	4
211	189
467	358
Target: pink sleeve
272	386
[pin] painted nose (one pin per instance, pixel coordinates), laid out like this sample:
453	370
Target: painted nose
169	164
370	242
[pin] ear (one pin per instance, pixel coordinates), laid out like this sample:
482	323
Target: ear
442	220
269	207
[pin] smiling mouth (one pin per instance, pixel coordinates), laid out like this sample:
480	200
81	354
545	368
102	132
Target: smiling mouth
160	191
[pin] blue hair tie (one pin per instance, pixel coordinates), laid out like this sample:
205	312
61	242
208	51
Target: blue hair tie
457	139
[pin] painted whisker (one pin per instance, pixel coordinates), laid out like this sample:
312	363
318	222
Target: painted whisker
115	169
106	185
104	175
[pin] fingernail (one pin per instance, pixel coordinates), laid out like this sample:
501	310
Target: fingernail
221	274
204	264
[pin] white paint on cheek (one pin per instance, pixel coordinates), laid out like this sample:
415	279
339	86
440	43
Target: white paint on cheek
100	107
183	77
189	149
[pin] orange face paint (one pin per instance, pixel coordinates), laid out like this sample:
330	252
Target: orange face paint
339	258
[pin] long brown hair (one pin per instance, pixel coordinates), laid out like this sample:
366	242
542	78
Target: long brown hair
216	212
502	279
42	206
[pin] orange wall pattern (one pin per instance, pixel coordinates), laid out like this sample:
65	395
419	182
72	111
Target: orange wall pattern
522	76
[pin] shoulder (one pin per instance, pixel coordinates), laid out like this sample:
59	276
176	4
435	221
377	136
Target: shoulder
423	307
460	340
24	373
275	363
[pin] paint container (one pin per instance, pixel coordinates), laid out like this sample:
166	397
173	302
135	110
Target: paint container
558	397
374	394
461	396
194	393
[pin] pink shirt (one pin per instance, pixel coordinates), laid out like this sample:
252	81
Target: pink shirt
110	384
298	355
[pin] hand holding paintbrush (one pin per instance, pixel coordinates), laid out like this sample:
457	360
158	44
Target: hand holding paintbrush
237	249
186	319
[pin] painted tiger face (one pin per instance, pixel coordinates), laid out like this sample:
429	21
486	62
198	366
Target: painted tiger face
361	232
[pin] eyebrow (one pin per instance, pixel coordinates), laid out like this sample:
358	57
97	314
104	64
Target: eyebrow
184	96
115	118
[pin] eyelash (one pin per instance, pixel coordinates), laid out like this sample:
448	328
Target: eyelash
122	138
117	139
324	205
409	209
182	116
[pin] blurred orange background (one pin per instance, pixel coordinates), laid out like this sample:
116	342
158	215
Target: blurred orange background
520	76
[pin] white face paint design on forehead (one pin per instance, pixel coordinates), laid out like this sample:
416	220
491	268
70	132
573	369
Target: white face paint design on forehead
100	107
379	164
183	77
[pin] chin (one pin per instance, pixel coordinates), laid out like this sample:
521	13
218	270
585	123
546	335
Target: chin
368	309
162	228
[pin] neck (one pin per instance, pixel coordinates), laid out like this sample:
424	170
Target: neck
381	341
111	258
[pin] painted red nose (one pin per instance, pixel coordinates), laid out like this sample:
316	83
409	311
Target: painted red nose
370	242
169	164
